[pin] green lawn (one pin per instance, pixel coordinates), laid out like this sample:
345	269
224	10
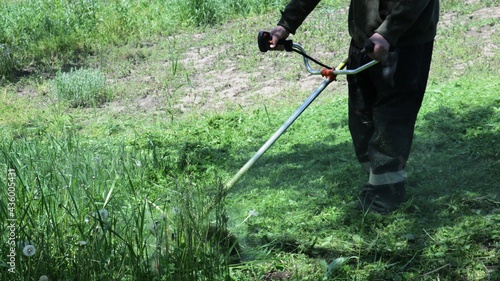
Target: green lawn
115	152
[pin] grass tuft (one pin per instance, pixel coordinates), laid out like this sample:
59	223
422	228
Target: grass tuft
81	88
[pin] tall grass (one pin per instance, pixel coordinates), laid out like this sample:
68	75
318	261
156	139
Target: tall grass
93	213
45	31
7	62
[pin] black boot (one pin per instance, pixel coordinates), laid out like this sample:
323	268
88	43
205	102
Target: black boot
382	199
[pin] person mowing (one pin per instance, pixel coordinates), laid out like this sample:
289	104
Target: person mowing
384	100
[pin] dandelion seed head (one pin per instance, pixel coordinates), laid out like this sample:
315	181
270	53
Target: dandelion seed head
103	213
82	243
153	228
253	213
163	216
29	250
43	278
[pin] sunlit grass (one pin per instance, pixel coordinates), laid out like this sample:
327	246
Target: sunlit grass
124	192
81	88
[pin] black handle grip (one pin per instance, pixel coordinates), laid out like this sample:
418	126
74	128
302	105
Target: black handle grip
264	40
368	47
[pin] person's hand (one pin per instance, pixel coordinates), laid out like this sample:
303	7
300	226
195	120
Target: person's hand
381	47
278	33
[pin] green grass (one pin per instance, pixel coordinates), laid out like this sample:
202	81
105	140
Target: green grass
131	188
84	209
81	88
7	62
48	34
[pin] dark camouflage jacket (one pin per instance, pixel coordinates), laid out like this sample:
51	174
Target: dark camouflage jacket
401	22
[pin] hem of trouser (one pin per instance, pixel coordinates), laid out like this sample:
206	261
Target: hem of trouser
366	166
387	178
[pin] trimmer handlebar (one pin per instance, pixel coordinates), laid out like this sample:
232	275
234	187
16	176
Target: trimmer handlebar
368	47
264	39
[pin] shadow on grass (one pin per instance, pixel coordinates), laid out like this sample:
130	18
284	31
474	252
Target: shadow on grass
449	226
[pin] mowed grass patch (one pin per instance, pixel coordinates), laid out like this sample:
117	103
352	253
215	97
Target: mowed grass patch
304	190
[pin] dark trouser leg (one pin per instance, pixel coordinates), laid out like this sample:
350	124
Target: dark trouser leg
383	105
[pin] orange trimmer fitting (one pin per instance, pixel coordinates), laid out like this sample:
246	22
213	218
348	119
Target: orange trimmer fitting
329	73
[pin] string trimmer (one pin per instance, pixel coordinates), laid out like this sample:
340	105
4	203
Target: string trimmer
264	40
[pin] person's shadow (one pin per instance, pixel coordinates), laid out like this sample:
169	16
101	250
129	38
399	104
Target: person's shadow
452	209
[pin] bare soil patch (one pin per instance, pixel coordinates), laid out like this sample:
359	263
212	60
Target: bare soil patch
226	86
